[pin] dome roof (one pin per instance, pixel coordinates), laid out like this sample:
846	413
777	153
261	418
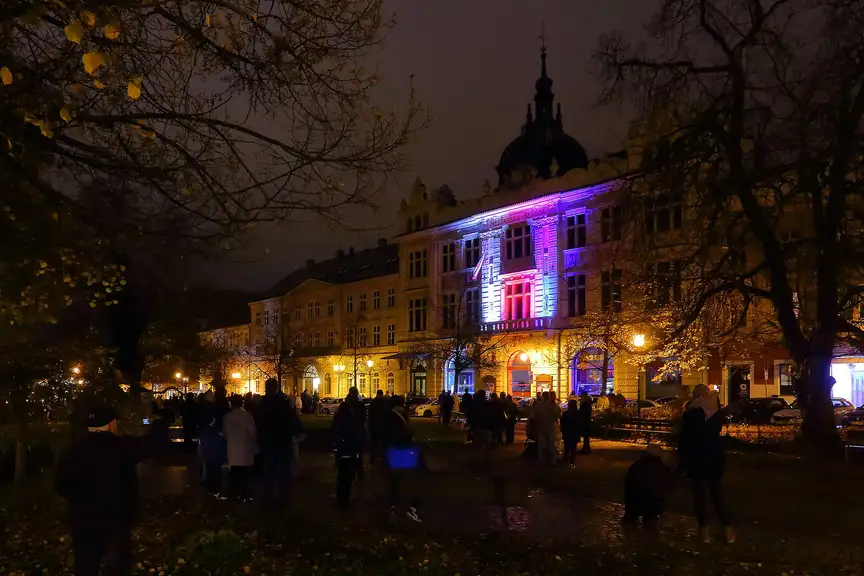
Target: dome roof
543	146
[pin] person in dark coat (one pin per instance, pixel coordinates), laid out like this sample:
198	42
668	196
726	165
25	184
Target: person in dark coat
466	405
498	419
446	403
379	410
646	487
277	424
97	476
510	413
348	432
571	431
189	414
213	454
700	453
586	404
396	435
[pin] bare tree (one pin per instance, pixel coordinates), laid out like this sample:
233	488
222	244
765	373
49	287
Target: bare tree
752	130
276	357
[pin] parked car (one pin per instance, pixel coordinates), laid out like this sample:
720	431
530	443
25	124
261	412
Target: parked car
792	415
665	400
754	410
329	405
428	410
856	416
645	408
413	401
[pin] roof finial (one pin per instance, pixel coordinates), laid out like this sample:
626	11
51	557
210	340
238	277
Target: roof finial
542	39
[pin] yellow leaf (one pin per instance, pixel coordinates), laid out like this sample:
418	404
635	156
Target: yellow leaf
134	90
6	75
46	130
207	20
93	61
74	32
65	115
111	31
98	84
8	141
89	18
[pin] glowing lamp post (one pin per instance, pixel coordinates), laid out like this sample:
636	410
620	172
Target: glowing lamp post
638	343
369	364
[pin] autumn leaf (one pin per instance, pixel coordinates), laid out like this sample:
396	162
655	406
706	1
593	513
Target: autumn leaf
111	31
134	89
98	84
89	18
74	32
93	61
65	115
6	75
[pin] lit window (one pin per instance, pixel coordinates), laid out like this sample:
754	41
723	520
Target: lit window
517	300
448	257
472	306
576	231
376	381
362	337
376	300
576	295
610	224
518	242
391	383
666	281
472	252
787	383
327	384
331	338
610	290
376	335
391	297
391	334
417	314
448	310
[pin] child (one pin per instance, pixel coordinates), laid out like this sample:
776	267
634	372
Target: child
213	456
645	487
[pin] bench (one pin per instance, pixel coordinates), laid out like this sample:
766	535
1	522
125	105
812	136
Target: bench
643	426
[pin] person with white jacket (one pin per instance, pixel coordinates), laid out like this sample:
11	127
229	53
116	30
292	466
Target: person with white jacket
240	432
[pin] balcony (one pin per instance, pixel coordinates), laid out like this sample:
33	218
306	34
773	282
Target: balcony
523	325
575	258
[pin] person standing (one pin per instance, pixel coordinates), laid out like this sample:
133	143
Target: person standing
700	453
97	476
586	405
278	424
348	432
398	440
571	423
379	409
446	403
212	449
510	412
545	416
240	433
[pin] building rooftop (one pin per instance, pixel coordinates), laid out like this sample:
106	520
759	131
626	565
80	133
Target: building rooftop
345	267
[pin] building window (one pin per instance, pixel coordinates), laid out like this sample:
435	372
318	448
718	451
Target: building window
448	310
517	300
362	337
376	381
391	334
276	317
317	309
417	264
448	257
376	300
391	297
327	384
257	318
349	304
363	301
472	306
664	213
610	224
316	340
576	231
297	312
391	383
310	310
331	338
518	242
472	252
666	282
417	314
349	337
610	290
266	318
376	335
576	295
331	307
787	384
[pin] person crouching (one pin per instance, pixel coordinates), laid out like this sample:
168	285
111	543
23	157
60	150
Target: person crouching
646	487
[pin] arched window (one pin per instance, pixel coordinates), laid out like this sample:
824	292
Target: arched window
327	386
519	375
376	383
391	383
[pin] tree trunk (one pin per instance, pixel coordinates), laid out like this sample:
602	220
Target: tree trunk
814	397
605	372
20	454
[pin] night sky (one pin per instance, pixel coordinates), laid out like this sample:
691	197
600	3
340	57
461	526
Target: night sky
474	64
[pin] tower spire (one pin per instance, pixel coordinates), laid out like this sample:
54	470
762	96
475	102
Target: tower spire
544	97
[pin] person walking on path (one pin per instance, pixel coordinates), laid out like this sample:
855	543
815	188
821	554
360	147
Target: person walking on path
586	404
545	416
240	432
571	430
700	453
348	434
399	446
278	424
97	476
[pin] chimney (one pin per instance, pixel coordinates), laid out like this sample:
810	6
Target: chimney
310	263
382	242
351	251
340	253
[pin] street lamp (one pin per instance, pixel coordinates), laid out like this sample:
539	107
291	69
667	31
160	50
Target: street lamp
639	342
76	370
369	364
236	375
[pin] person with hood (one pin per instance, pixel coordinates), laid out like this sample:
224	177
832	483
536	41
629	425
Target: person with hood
240	432
397	441
700	453
97	476
348	434
571	430
278	424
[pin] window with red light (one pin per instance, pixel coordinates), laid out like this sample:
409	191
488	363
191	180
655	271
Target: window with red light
517	300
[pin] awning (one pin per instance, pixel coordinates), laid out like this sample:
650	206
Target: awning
406	356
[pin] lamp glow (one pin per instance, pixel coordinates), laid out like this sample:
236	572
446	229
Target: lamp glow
235	375
178	375
369	363
523	357
76	370
638	340
316	381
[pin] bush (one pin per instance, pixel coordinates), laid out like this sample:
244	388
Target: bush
216	553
